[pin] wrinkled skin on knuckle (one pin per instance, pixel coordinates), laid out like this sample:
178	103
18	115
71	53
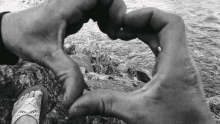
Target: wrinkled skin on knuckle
190	75
177	20
186	79
105	104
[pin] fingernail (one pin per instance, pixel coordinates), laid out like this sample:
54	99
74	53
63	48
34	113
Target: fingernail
156	52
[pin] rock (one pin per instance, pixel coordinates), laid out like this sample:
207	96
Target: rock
131	72
104	64
122	67
111	78
96	76
59	116
214	104
118	83
83	61
135	84
70	50
142	76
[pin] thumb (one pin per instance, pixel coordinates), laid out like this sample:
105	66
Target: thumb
102	102
69	75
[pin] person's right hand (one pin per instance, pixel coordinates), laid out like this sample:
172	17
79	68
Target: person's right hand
37	35
174	95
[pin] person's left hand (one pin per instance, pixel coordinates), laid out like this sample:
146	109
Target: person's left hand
37	35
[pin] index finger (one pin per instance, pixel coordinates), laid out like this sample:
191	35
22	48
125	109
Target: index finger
109	14
170	32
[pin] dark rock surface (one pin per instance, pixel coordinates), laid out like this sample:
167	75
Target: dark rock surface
214	104
142	76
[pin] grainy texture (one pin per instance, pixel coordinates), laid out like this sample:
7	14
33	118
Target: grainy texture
114	58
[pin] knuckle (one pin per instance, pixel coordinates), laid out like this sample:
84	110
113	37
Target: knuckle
177	22
178	19
105	104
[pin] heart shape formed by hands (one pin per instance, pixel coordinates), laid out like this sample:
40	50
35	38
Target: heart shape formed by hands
175	93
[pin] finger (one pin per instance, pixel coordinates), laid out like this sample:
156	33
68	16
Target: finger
102	102
113	11
150	39
157	22
73	28
74	10
170	30
67	73
123	35
103	24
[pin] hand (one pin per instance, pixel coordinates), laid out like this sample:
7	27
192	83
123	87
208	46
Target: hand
37	35
174	95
